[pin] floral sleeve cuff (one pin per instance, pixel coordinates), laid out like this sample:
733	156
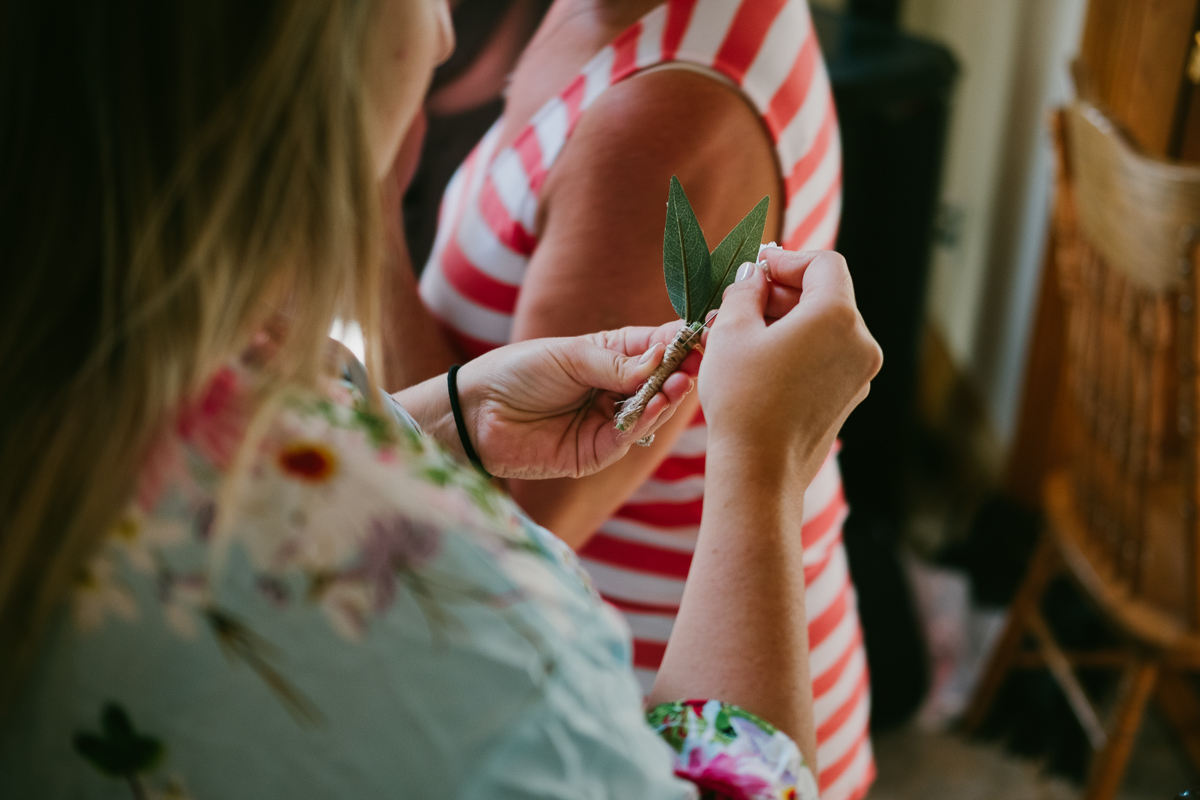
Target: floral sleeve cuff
731	753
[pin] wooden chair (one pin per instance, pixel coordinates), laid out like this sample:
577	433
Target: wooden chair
1121	520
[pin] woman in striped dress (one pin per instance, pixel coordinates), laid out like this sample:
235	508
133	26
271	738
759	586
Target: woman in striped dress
553	227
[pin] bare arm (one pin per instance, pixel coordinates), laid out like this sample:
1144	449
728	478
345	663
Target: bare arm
751	651
543	409
741	633
598	264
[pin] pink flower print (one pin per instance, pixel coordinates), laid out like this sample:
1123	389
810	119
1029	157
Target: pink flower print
721	775
215	423
395	544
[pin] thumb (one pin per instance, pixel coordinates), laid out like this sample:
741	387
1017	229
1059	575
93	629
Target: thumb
608	370
745	301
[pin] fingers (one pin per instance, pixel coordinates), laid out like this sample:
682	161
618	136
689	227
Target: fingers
822	270
635	340
787	266
745	301
827	298
636	370
828	276
676	387
596	367
691	363
660	409
608	370
781	299
614	361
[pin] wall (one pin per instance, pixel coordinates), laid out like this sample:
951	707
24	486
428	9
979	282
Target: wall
996	190
998	180
1049	35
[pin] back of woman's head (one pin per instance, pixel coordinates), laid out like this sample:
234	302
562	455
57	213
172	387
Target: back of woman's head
171	174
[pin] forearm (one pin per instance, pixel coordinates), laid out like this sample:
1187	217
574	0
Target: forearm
429	404
741	635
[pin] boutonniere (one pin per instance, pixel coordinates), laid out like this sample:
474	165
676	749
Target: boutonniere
696	280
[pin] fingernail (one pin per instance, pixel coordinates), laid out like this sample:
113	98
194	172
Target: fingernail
649	354
744	271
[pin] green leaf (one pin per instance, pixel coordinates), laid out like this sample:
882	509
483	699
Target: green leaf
686	262
740	246
119	751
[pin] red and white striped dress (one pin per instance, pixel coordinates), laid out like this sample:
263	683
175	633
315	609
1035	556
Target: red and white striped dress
486	235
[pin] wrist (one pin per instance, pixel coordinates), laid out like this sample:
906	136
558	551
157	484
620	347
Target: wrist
767	453
795	448
463	404
753	497
740	461
429	404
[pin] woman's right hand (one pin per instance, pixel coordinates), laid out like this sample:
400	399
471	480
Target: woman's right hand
786	361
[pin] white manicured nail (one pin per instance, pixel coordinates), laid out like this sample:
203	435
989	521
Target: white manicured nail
649	354
744	271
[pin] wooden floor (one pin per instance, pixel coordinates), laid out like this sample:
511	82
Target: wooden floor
916	765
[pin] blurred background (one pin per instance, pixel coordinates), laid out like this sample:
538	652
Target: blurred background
1019	215
956	152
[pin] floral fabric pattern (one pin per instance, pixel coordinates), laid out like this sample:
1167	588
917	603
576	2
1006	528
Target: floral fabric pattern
729	752
314	600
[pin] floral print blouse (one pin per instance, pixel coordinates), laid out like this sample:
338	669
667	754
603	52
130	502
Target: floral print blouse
359	616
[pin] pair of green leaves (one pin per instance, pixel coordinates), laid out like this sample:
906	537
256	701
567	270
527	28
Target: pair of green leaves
696	279
119	751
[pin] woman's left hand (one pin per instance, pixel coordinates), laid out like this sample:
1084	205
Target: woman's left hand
544	408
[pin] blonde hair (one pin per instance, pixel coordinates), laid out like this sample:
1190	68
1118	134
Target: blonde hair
171	175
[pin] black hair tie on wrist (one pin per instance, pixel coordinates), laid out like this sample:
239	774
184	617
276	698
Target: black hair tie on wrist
461	424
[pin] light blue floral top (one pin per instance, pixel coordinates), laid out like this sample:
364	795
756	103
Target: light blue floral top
358	617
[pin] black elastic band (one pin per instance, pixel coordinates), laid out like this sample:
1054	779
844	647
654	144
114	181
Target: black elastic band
460	423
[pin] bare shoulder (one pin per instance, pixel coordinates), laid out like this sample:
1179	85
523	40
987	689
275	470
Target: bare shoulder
642	130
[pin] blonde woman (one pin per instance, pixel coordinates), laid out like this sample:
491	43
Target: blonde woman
226	571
